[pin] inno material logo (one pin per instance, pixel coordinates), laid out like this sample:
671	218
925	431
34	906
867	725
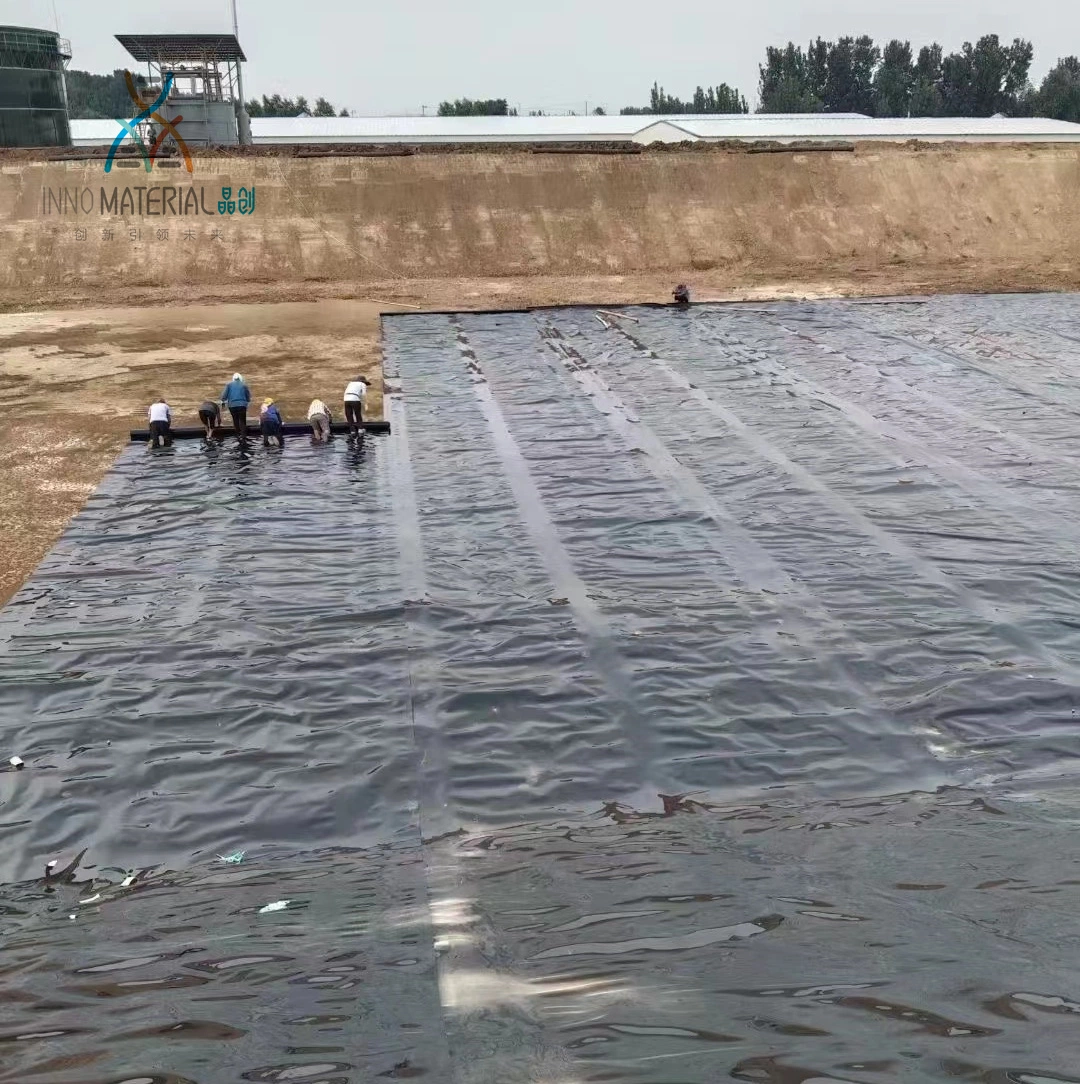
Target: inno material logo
148	112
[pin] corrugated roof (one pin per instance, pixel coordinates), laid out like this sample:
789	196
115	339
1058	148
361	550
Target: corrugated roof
166	48
832	126
453	128
748	127
464	129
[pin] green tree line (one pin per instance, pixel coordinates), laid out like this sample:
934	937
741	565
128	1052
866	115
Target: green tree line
720	99
481	107
856	75
100	97
277	106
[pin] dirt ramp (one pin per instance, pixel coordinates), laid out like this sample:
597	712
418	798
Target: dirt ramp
1005	209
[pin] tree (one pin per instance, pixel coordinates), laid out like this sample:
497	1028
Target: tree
926	100
721	99
1059	95
468	107
817	68
894	80
784	84
840	76
662	102
1017	84
865	59
987	78
599	111
343	113
302	105
323	108
849	75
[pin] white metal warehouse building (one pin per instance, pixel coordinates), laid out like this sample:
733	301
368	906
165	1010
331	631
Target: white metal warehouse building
750	128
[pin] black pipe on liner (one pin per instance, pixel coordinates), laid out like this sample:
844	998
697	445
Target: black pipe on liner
290	429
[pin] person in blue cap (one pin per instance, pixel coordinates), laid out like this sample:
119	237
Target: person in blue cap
236	397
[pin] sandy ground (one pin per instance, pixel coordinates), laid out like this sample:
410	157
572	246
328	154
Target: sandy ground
77	375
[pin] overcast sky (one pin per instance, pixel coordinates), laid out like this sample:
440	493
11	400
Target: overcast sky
395	56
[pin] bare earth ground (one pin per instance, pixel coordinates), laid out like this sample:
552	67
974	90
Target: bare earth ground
78	371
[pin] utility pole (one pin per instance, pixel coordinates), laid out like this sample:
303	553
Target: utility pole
243	121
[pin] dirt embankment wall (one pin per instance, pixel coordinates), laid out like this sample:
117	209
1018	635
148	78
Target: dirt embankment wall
68	223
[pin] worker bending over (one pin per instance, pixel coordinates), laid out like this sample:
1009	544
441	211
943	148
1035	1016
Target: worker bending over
270	419
318	414
355	394
160	424
210	416
236	397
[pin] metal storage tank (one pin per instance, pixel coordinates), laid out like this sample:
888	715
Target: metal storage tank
33	98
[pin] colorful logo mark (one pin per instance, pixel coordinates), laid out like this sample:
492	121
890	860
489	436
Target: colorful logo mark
148	112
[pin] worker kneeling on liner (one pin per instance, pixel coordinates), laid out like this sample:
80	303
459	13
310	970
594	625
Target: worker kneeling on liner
160	424
270	419
319	416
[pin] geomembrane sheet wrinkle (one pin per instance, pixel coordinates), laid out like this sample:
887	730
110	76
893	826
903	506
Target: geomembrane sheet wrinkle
670	696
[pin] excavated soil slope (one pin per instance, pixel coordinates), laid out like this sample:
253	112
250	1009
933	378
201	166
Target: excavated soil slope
952	212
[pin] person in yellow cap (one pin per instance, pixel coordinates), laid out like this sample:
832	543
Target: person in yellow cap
270	417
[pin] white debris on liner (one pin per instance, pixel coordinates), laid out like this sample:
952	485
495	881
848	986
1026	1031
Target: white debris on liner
16	763
279	905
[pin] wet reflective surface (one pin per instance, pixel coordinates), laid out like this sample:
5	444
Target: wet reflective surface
685	696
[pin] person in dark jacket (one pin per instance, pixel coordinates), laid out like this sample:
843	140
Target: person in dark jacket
236	397
270	418
210	416
681	294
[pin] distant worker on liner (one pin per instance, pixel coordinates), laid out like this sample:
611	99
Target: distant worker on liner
160	424
318	414
236	397
210	416
355	394
270	420
681	294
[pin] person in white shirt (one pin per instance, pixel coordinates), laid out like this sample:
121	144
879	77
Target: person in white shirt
160	424
355	393
319	416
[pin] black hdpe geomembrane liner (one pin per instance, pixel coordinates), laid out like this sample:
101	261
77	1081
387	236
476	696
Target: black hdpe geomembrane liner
673	695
